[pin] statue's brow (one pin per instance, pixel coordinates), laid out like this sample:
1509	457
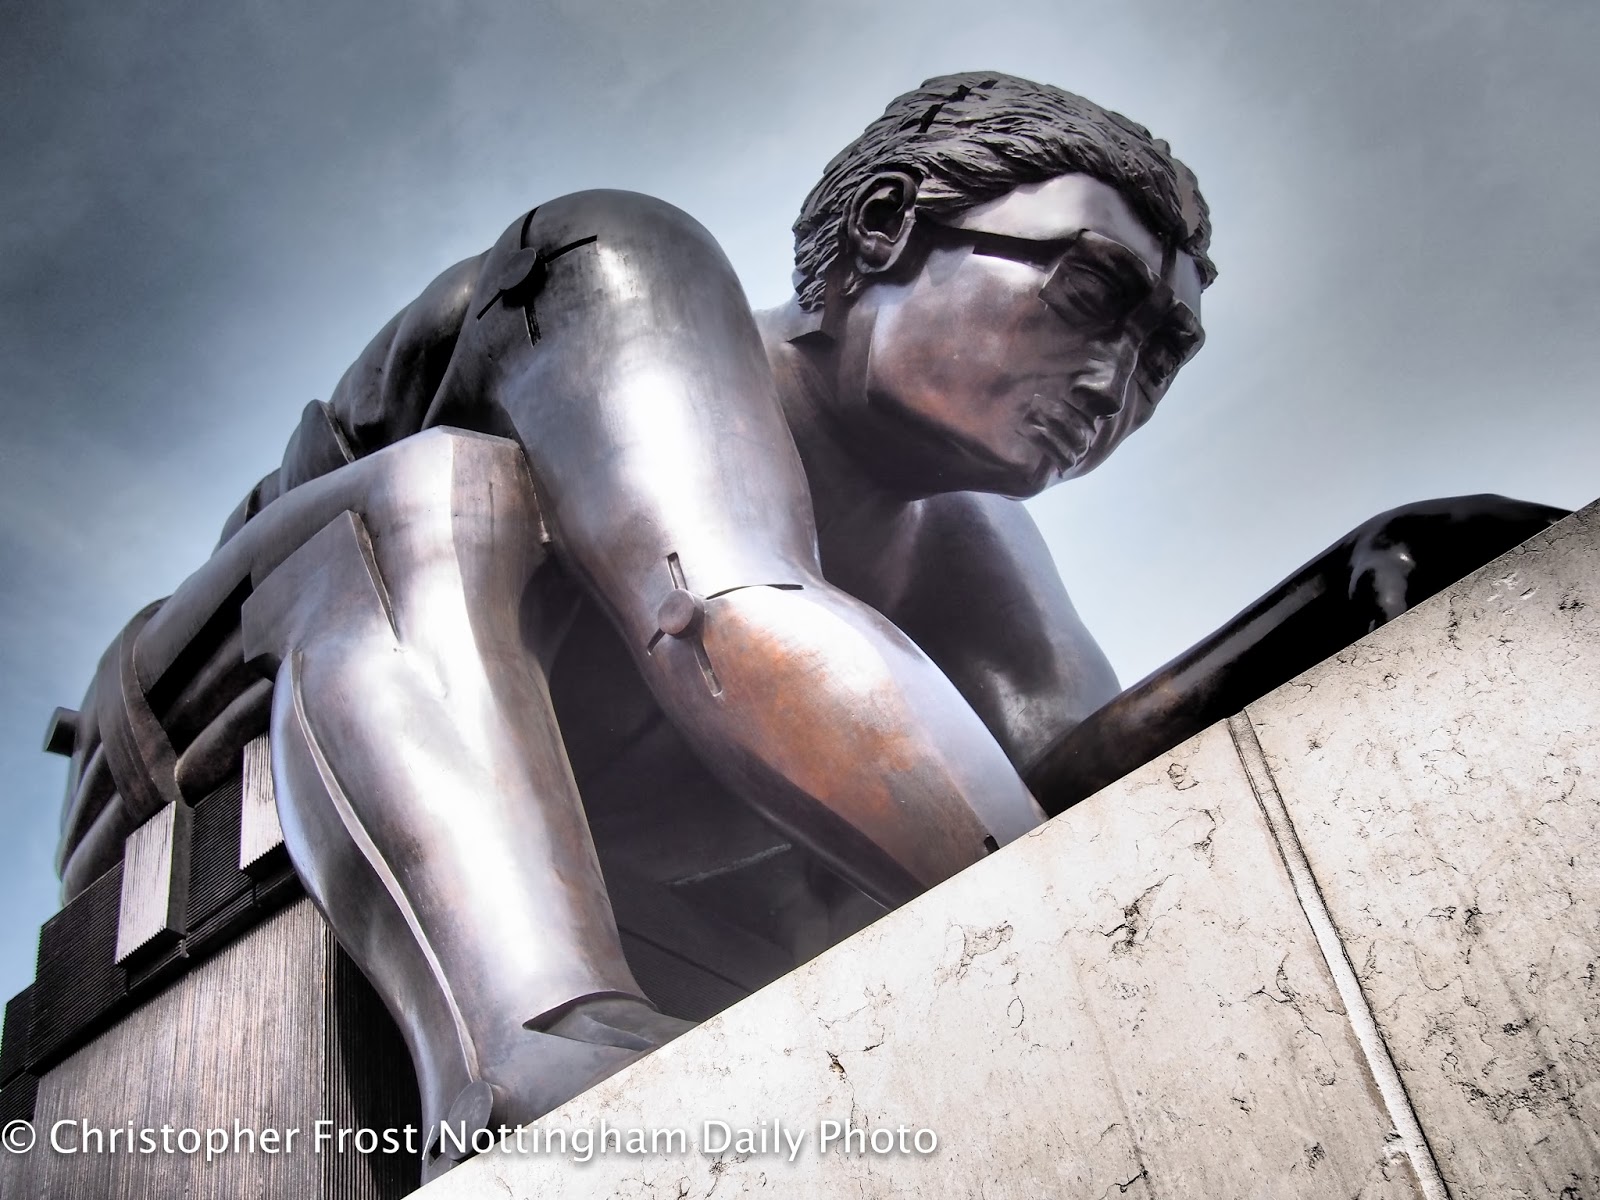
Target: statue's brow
1124	262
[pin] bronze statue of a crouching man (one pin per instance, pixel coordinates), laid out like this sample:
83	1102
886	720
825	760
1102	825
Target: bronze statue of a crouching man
762	567
585	563
582	551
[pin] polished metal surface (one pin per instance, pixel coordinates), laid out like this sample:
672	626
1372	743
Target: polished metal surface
586	574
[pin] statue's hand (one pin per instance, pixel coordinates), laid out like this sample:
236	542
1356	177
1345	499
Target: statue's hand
1391	563
1400	558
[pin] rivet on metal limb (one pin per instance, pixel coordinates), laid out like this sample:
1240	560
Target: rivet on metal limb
682	615
519	281
522	278
468	1115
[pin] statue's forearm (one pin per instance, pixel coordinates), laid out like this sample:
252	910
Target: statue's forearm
1379	570
833	723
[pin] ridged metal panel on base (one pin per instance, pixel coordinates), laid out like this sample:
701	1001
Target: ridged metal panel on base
276	1032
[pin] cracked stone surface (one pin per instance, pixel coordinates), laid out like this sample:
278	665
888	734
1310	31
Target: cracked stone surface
1127	1003
1444	778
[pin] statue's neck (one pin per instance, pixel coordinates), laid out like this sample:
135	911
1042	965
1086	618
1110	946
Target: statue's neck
805	366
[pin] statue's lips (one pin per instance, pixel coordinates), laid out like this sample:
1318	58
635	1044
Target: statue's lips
1069	422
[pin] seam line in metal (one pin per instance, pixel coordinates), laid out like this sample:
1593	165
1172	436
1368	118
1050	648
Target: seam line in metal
380	867
1391	1088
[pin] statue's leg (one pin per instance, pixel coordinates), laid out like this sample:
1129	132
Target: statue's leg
423	787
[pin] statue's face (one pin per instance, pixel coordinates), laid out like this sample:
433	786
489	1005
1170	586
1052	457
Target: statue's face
1039	330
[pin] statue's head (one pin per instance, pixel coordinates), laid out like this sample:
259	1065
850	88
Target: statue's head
1012	276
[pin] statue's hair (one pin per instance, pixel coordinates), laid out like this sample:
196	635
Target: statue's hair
971	137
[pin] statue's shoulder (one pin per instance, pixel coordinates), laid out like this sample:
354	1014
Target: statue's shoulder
588	278
634	231
603	210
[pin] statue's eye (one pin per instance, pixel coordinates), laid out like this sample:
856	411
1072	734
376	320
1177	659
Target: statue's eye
1159	361
1167	349
1088	294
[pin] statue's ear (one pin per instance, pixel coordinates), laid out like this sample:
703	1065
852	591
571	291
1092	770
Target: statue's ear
879	221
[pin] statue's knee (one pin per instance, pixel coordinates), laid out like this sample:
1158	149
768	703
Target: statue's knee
446	515
446	463
456	493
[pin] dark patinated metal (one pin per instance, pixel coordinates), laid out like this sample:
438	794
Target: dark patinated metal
589	590
61	736
1382	568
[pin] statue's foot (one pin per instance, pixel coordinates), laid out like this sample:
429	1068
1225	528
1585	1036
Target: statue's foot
620	1021
541	1069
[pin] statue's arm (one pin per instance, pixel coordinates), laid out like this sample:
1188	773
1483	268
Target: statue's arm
609	336
1031	670
975	586
1378	571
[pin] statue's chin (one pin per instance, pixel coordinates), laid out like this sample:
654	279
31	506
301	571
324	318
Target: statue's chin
962	472
917	455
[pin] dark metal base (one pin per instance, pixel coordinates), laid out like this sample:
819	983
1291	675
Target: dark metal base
277	1032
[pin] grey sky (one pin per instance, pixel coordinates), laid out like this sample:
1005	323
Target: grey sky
205	211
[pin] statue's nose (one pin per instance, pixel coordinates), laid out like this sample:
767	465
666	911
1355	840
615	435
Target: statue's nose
1103	387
